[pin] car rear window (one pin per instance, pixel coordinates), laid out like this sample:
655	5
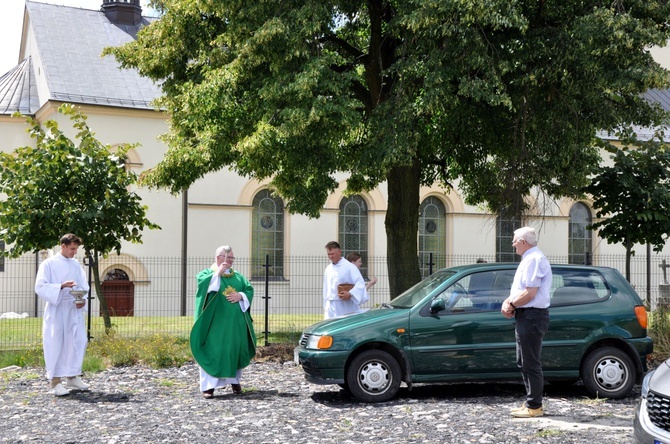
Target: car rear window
571	287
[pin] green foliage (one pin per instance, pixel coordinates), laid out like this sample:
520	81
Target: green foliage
28	357
659	329
93	363
631	194
118	352
166	351
59	187
154	350
502	96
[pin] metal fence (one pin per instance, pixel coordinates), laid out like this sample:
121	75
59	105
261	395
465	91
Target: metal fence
163	301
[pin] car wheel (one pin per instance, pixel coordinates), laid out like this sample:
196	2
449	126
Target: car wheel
374	376
608	373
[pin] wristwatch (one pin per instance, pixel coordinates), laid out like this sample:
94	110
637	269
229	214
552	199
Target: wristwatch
510	303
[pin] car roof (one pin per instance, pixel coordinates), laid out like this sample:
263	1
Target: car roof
508	265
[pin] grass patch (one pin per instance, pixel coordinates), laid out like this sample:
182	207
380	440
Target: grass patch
154	342
27	357
25	332
593	401
548	433
156	350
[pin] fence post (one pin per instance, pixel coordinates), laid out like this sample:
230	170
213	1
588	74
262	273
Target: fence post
89	262
430	264
267	298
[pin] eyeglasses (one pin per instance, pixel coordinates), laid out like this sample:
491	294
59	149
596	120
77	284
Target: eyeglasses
229	257
516	241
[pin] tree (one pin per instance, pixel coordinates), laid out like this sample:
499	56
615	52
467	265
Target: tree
495	96
60	187
632	195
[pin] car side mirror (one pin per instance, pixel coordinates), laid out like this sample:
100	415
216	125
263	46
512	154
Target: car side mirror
437	305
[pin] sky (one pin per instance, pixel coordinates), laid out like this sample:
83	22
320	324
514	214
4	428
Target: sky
11	22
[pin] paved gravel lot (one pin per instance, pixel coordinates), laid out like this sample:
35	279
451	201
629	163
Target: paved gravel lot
138	404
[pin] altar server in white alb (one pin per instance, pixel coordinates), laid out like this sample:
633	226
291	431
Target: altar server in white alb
63	325
336	300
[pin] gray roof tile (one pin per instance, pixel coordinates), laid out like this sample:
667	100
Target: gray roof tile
18	90
660	96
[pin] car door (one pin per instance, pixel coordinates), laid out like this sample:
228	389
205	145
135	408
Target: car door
469	335
578	314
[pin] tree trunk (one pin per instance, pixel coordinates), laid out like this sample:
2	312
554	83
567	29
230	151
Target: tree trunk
402	223
101	297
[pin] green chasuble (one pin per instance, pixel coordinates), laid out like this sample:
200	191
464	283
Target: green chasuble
222	338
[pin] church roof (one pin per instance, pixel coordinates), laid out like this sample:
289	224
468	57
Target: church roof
18	90
660	96
69	42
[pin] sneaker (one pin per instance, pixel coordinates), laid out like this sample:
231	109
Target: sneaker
77	384
518	409
59	390
527	412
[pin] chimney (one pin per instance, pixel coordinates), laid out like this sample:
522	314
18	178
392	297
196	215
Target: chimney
123	12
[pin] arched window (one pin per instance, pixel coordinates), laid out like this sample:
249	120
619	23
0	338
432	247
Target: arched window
505	227
432	235
116	275
267	235
580	242
353	228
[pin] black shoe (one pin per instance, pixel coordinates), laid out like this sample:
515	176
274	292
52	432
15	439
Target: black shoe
237	389
208	394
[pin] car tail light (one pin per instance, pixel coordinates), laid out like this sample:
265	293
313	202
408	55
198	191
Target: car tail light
641	314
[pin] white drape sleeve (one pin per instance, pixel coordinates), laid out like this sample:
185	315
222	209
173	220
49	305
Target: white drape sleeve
215	283
244	303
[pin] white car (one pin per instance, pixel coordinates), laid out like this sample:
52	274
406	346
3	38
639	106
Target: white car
652	417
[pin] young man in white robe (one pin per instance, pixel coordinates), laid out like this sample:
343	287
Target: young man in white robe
64	332
340	302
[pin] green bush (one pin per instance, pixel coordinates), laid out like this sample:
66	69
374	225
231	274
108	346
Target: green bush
116	351
28	357
162	351
659	330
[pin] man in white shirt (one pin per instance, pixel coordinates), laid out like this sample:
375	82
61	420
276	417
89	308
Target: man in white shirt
342	302
528	302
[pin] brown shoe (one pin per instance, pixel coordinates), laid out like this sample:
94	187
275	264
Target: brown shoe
237	389
517	409
527	412
208	394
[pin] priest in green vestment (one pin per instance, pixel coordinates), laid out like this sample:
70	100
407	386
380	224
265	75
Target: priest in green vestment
222	339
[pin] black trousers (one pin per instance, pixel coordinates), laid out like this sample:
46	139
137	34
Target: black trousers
531	324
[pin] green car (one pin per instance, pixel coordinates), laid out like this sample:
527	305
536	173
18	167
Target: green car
449	328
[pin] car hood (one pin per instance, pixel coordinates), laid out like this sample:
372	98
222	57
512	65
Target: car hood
373	316
660	379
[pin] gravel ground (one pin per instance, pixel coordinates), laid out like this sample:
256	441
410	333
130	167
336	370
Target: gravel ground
139	404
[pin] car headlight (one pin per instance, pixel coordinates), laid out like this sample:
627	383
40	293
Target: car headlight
645	385
319	342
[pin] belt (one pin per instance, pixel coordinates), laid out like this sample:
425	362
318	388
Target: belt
529	308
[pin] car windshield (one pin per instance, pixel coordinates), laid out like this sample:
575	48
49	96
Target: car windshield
416	293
